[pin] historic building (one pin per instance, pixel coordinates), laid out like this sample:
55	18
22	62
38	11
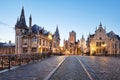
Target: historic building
34	39
102	43
83	45
7	48
71	46
56	41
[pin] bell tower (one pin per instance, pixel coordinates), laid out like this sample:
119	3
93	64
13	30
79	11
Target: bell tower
20	29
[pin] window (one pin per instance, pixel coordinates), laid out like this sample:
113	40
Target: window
25	41
25	50
100	38
103	43
43	42
40	42
34	49
98	44
34	41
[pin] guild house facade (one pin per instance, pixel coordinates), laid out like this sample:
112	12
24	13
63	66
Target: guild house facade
33	38
102	43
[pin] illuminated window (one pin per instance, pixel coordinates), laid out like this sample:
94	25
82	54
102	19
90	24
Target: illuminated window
25	50
34	49
100	38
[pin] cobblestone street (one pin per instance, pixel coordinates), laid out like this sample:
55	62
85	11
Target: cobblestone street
38	70
102	68
67	68
70	70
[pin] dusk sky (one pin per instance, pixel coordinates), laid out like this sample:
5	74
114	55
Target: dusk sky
82	16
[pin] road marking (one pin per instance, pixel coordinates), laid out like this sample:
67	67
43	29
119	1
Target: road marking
55	69
85	69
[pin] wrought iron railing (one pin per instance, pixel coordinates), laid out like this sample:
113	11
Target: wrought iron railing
9	60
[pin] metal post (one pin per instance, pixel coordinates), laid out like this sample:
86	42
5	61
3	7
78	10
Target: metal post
9	61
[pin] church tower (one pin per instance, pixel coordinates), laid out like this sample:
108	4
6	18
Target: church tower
72	37
20	28
56	42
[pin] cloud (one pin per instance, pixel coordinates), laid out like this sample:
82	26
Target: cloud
2	23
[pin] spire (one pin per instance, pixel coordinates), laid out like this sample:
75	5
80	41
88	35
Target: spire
17	23
57	33
22	18
100	24
30	21
30	24
82	37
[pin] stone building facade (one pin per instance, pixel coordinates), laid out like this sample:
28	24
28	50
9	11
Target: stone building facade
34	39
82	45
102	43
7	48
71	46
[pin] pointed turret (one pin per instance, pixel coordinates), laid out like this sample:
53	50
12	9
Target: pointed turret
22	17
22	22
82	37
57	33
30	21
30	24
100	24
17	23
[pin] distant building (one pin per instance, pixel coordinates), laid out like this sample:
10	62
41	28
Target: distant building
102	43
72	37
56	41
34	39
71	46
7	48
83	45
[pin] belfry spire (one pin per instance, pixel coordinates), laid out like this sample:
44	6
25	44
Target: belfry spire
57	32
22	18
100	24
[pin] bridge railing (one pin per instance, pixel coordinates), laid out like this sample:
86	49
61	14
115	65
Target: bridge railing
9	60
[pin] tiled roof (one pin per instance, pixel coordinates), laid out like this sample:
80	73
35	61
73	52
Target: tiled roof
6	44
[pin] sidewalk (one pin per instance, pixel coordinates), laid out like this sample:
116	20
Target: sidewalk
38	70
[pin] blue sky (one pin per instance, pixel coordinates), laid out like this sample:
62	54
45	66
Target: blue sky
81	16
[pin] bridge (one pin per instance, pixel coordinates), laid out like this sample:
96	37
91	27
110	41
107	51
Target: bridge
62	68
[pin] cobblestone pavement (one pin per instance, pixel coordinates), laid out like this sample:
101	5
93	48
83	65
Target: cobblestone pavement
34	71
71	69
99	68
102	68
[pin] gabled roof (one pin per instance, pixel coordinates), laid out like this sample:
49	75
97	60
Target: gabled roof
111	34
38	29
